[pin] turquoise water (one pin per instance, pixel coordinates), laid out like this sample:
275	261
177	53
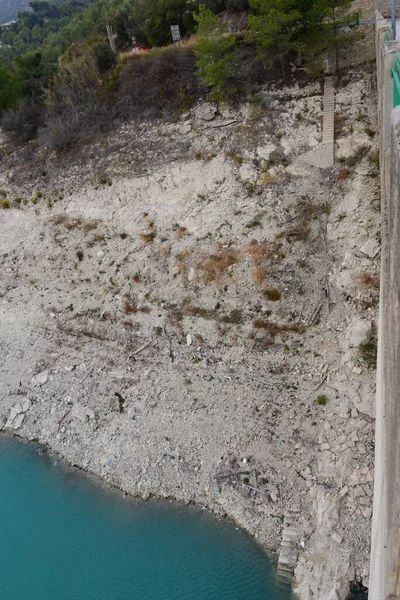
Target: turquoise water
63	537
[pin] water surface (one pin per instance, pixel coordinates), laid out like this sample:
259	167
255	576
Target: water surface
63	537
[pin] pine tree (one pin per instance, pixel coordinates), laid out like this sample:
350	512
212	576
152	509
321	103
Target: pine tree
10	90
275	27
216	56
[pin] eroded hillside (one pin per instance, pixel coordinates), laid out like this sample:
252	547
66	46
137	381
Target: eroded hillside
189	310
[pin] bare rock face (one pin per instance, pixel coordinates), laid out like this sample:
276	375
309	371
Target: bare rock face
215	296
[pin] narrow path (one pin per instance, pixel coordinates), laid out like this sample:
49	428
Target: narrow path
322	155
328	124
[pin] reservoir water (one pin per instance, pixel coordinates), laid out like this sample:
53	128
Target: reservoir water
63	537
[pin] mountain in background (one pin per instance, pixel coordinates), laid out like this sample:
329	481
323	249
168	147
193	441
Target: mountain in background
9	9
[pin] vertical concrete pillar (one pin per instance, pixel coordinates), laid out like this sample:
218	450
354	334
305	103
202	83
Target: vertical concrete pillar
385	544
385	91
385	547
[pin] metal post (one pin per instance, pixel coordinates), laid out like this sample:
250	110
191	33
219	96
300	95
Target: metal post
394	18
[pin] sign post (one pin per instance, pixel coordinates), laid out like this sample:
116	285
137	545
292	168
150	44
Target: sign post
176	34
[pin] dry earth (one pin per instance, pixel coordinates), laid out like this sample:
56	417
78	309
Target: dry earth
175	298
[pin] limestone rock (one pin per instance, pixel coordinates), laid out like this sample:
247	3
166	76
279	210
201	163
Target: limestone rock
248	173
339	591
82	413
206	111
14	411
185	129
40	379
26	405
358	333
264	152
18	421
337	538
370	248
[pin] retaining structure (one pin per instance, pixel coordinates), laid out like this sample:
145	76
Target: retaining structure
385	549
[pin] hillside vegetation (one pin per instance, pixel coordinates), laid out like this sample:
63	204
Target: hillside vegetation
61	79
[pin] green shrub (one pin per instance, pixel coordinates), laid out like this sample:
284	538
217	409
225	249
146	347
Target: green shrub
322	400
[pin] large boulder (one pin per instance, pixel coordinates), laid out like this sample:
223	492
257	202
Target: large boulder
358	333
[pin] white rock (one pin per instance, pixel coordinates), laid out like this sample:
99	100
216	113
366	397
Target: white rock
248	173
132	412
366	511
339	591
370	248
82	413
358	333
18	421
26	405
185	129
337	538
189	339
191	274
264	152
206	111
39	379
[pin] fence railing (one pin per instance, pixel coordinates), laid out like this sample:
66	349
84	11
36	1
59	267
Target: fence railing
396	81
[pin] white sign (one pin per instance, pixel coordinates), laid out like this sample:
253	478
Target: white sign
176	34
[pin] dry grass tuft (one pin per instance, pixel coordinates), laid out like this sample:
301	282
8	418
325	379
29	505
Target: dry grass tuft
368	280
198	311
147	237
180	232
217	266
129	308
259	275
76	223
272	294
262	252
235	316
273	328
343	174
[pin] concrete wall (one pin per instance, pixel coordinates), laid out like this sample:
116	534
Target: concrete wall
385	550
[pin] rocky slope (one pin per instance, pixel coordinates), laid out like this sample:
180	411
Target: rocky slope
188	311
